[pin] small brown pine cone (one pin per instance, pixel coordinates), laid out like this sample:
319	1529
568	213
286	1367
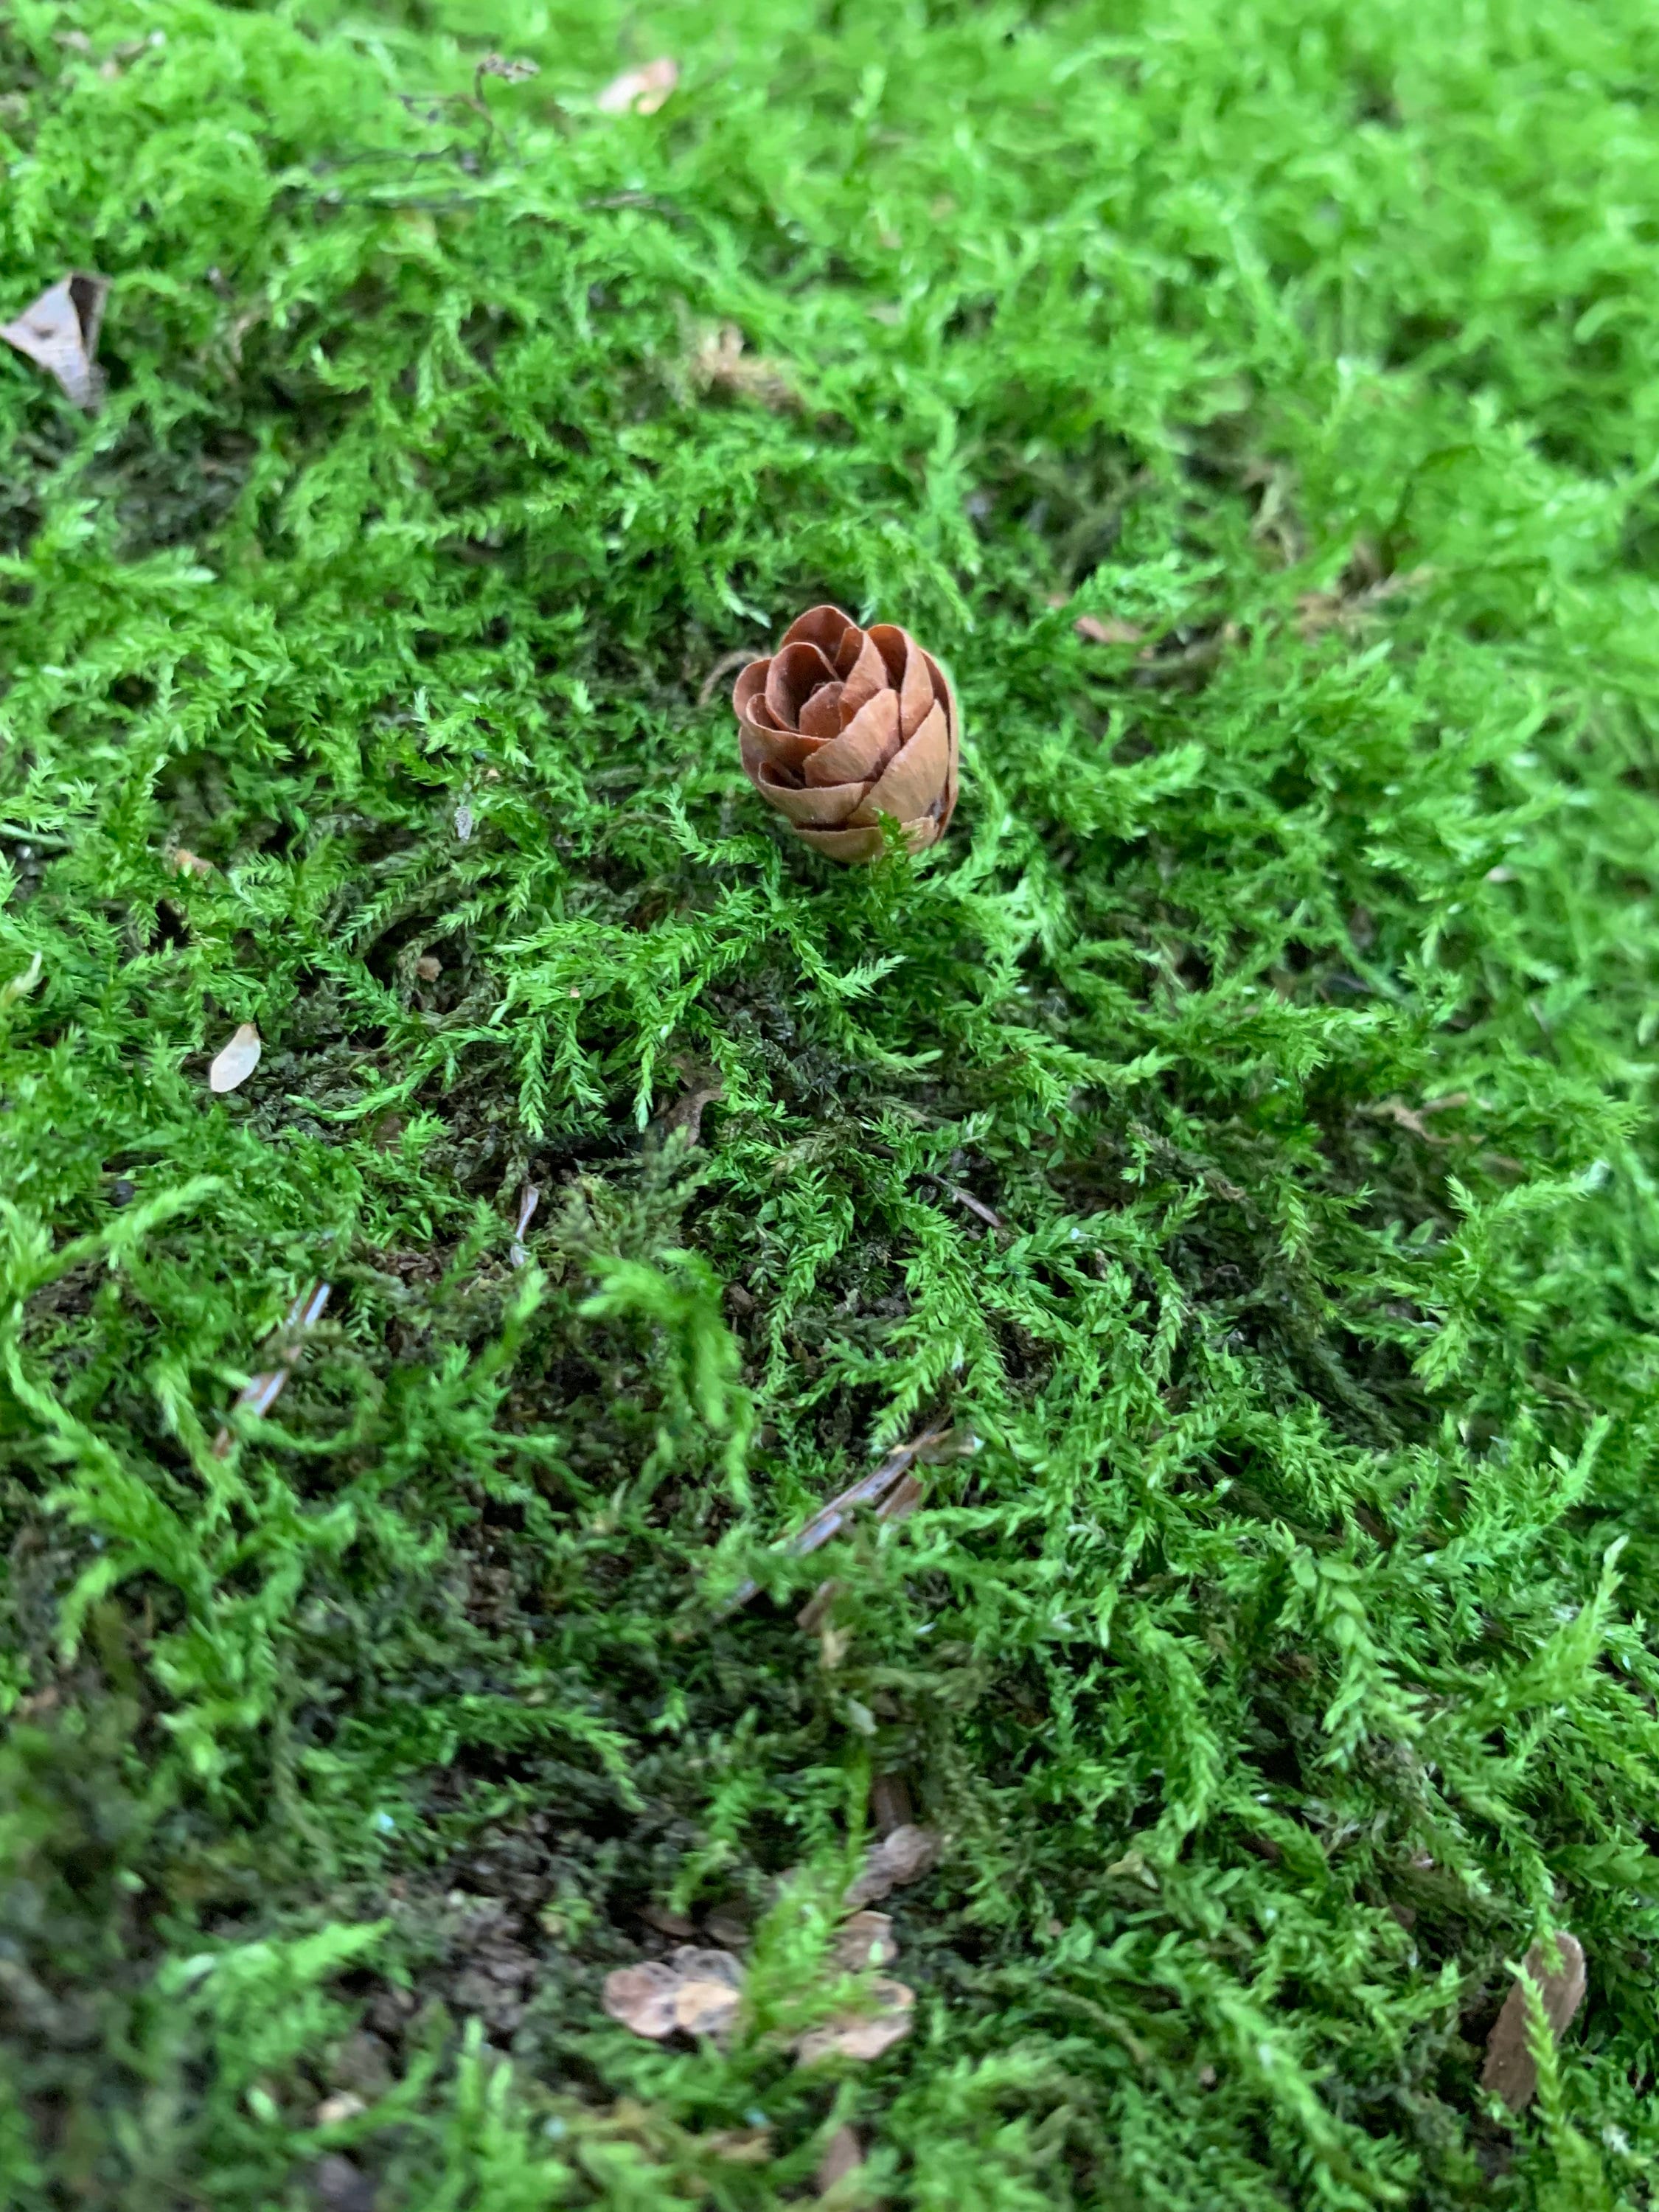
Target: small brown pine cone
842	726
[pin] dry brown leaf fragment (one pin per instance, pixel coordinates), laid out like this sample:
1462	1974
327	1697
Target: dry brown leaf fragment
721	364
865	1940
643	1997
862	2035
1095	631
842	2154
842	726
696	1992
901	1858
60	333
236	1061
1510	2071
185	863
639	91
704	2008
697	1964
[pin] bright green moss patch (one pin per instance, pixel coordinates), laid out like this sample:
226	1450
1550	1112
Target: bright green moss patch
1280	1668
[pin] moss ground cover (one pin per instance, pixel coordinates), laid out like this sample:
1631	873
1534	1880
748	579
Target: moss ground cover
1279	1666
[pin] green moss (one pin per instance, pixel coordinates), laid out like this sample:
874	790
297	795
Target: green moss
1279	1668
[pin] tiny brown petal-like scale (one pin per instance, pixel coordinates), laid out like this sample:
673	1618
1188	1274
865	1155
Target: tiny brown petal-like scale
863	748
842	726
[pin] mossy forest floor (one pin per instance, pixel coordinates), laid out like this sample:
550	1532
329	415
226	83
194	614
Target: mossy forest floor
1280	1665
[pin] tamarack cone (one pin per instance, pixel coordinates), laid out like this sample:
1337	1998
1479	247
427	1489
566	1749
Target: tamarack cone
842	726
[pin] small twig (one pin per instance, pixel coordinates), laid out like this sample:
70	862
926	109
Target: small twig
527	1205
898	1505
649	203
830	1520
727	666
260	1392
965	1198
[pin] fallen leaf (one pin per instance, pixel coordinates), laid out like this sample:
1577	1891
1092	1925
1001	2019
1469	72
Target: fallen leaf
865	1940
183	863
862	2035
842	2154
344	2105
1510	2071
60	333
1097	632
694	1991
639	91
234	1062
903	1857
693	1964
705	2008
643	1998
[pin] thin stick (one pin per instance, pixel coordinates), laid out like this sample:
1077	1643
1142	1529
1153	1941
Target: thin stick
727	666
260	1392
830	1520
